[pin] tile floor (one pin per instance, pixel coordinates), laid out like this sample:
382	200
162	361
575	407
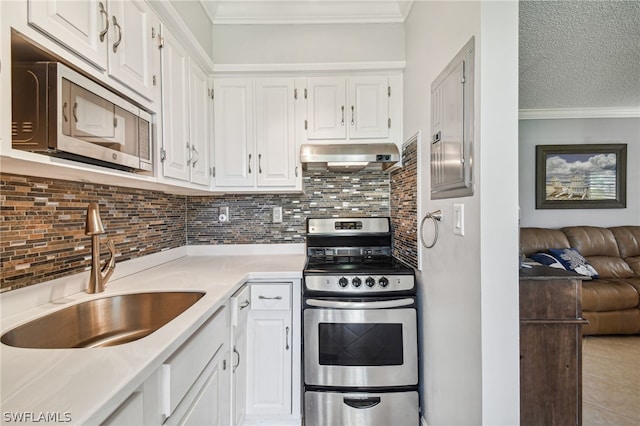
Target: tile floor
611	381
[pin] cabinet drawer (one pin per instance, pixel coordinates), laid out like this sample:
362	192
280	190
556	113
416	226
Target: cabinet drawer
182	369
271	297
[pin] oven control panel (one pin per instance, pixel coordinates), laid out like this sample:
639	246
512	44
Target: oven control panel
359	283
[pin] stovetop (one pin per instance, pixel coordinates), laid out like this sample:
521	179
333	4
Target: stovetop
353	256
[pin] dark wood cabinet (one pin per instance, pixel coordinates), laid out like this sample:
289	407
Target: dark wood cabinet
550	347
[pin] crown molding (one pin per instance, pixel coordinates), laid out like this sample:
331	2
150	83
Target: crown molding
310	67
326	12
564	113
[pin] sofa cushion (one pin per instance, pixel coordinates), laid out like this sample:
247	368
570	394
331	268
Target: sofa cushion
572	260
634	264
612	322
608	295
610	267
628	239
534	240
592	241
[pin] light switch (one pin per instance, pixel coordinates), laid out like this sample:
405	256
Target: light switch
458	219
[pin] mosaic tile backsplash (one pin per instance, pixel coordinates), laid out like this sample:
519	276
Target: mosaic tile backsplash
42	223
42	226
325	194
404	206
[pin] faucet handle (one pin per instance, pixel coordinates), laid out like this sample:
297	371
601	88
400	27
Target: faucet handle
110	266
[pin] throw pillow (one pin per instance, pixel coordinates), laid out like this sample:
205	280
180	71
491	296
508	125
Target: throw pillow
547	259
572	260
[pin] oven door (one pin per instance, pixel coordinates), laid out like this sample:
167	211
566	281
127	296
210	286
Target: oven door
360	343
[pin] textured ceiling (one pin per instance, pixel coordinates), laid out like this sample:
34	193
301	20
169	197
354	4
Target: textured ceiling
579	54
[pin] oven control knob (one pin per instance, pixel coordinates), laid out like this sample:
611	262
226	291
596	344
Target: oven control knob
383	282
370	282
357	282
343	282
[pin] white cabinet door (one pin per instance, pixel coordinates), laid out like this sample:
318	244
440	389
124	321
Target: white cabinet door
80	25
269	343
348	108
234	136
269	368
209	407
368	107
175	109
327	113
134	56
275	139
240	307
239	374
199	130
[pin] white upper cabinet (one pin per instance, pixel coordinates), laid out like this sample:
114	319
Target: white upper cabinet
186	109
117	36
199	125
133	49
348	108
234	136
81	25
275	132
369	107
326	113
175	110
255	146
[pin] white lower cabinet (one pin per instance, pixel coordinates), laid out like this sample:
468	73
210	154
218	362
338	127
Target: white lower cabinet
272	346
241	367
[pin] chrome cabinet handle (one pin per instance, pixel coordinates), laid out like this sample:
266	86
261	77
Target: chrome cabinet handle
260	163
244	304
353	113
270	298
190	154
64	112
237	363
296	171
249	163
75	111
342	120
117	43
103	12
286	338
194	151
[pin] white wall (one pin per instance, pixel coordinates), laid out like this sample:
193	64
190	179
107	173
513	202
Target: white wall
288	43
578	131
195	16
469	299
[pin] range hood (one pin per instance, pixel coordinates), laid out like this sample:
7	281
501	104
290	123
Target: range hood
348	157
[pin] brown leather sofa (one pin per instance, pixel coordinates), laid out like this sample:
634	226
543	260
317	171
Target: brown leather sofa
611	302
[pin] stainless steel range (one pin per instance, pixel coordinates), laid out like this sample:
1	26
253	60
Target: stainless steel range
360	326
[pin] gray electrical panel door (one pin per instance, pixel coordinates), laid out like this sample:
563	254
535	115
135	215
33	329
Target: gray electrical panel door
452	127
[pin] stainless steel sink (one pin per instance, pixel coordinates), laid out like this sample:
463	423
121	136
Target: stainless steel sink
107	321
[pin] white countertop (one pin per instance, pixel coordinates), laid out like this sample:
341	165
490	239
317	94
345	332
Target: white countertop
90	383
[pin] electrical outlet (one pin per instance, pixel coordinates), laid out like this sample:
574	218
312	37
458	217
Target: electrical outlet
277	214
223	214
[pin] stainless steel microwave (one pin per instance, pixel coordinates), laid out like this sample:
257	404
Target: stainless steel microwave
58	111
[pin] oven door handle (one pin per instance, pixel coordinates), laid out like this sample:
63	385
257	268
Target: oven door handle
362	403
379	304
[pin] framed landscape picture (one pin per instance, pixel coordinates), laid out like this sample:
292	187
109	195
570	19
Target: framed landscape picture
581	176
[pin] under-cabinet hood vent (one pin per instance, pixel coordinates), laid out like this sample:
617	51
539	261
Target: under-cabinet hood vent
349	158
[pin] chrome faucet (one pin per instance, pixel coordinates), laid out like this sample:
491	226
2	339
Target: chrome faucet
93	227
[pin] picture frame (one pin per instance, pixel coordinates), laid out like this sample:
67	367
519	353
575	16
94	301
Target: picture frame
589	176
